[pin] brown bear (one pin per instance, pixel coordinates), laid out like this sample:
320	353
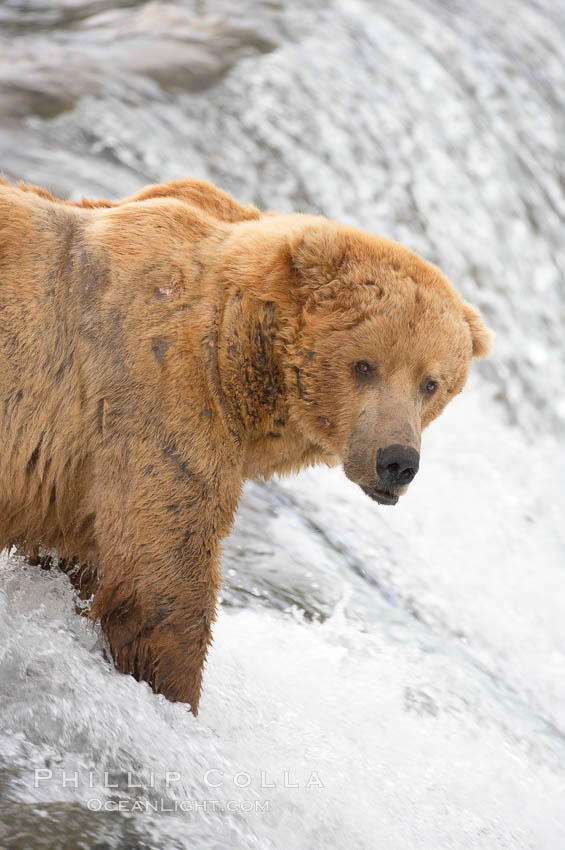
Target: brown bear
157	352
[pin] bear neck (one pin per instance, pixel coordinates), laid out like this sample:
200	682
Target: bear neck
252	388
249	360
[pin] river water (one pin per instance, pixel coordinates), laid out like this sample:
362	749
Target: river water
380	678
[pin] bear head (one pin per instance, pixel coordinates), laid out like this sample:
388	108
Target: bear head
383	343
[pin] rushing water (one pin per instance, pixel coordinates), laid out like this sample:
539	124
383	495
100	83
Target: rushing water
380	678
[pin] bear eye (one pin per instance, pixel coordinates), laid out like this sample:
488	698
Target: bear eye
429	386
363	367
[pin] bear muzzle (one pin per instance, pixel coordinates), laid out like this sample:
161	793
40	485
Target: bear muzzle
397	466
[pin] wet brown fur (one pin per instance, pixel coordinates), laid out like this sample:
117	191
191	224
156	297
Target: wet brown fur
156	352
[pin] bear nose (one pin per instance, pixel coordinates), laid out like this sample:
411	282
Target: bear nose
397	465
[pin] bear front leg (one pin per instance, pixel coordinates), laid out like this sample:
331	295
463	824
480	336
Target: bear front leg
157	612
159	577
161	634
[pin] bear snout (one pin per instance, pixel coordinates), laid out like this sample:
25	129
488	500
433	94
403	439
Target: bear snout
397	466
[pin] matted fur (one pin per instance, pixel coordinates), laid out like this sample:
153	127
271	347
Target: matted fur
156	352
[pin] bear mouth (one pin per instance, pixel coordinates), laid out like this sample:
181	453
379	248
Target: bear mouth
383	497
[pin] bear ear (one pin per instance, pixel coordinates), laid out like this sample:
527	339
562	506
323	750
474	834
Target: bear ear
317	253
481	336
